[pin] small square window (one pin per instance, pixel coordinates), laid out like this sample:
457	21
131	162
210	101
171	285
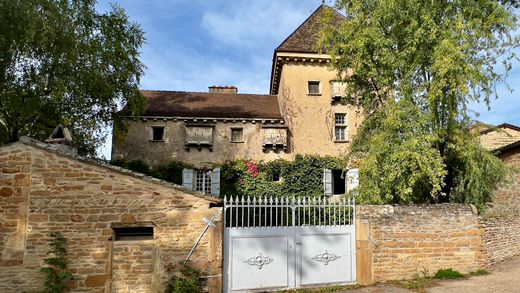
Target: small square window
237	135
341	119
157	133
314	88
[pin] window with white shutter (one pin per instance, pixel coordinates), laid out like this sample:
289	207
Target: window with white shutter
327	181
187	178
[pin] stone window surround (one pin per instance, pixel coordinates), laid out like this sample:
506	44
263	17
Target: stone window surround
231	134
129	225
342	126
151	133
309	82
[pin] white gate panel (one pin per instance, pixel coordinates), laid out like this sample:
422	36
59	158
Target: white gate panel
258	258
325	255
272	243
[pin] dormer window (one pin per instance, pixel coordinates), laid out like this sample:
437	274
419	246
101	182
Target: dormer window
199	135
339	90
314	87
157	133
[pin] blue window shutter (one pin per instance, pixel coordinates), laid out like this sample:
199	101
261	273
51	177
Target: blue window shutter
215	182
187	178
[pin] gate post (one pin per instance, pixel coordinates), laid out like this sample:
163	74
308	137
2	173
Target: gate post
364	252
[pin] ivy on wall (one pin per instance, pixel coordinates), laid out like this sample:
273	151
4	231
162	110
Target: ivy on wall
302	176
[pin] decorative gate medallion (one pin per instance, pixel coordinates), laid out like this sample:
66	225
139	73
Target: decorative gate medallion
259	260
325	257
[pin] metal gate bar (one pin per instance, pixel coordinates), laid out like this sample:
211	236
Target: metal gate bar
247	212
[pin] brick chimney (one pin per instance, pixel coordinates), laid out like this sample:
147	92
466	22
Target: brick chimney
230	89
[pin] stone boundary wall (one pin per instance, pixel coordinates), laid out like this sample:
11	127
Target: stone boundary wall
501	222
399	242
42	191
501	238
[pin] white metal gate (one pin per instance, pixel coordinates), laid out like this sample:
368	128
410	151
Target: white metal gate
279	243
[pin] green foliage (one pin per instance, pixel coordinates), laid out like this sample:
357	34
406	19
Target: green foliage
474	171
139	166
479	272
56	269
62	62
396	161
172	171
448	274
184	279
433	58
302	176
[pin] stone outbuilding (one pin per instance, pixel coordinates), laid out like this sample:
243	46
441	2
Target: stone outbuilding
124	231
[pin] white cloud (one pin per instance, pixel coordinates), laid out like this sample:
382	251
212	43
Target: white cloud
251	23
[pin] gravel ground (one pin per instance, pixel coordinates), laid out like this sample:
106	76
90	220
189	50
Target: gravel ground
503	278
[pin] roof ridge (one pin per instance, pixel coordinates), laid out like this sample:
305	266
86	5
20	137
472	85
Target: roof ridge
322	6
194	92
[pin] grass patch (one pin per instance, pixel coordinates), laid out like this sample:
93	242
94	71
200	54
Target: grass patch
418	283
480	272
325	289
448	274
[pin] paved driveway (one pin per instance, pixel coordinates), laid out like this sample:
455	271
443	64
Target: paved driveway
503	278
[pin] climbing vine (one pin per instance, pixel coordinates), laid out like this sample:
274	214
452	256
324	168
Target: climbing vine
302	176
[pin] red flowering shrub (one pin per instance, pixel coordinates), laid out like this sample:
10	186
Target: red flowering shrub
252	168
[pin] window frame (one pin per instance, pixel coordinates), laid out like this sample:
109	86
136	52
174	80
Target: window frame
343	126
278	174
152	132
319	87
231	135
143	231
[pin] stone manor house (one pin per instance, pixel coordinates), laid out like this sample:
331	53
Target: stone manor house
303	114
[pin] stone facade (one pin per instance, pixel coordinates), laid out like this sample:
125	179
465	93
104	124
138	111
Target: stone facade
308	119
137	145
311	118
399	242
42	191
505	134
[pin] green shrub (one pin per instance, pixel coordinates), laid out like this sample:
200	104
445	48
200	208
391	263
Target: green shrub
448	274
172	172
56	265
139	166
184	279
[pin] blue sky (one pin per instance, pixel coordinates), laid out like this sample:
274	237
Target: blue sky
194	44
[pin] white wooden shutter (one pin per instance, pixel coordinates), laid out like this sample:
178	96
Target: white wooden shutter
187	178
327	181
215	182
352	179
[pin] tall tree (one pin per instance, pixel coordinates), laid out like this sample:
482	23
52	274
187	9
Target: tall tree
431	59
62	62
